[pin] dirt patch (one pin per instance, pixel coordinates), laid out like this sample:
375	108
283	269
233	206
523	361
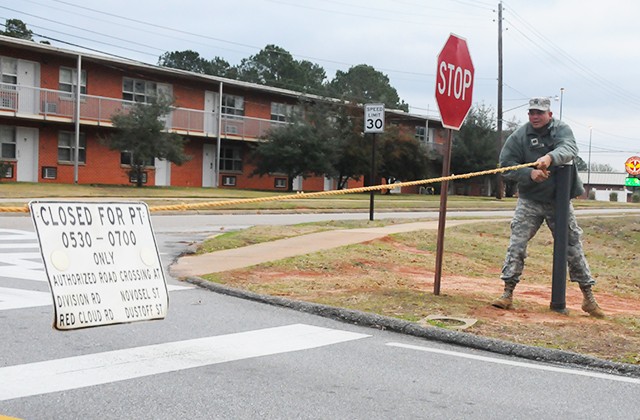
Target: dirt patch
391	278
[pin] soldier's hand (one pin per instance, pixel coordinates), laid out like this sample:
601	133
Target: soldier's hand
544	162
538	175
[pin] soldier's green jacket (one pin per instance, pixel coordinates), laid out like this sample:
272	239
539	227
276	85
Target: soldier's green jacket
527	145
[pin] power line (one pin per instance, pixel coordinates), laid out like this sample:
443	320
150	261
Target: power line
562	57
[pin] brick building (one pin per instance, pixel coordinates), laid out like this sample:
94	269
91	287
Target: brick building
220	117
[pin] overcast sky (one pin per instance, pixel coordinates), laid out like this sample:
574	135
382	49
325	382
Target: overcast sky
588	48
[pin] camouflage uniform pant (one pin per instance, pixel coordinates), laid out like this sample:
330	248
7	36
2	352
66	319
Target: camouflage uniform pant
526	222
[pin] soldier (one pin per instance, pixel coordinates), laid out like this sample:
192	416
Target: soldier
548	142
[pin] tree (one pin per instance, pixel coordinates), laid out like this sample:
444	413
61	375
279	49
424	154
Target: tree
275	66
192	61
402	157
601	167
185	60
364	84
349	154
475	144
17	29
296	149
140	131
474	147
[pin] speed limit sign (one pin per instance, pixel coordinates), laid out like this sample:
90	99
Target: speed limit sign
374	118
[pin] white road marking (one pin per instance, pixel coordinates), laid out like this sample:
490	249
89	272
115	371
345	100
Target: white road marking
11	298
18	272
25	259
519	364
16	245
19	298
100	368
26	265
14	234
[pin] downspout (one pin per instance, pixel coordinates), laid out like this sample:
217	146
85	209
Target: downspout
76	152
219	140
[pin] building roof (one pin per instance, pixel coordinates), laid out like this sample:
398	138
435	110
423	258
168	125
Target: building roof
603	178
128	63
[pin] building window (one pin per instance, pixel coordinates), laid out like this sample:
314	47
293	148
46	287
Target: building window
229	181
280	183
282	112
133	178
49	172
8	82
230	158
9	71
232	105
421	133
8	173
126	158
137	90
67	146
7	142
68	78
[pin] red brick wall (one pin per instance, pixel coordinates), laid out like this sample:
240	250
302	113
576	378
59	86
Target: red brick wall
103	165
189	174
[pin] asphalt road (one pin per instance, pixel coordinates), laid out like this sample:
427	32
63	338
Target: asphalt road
217	356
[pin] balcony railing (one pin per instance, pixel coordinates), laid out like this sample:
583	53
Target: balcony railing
47	104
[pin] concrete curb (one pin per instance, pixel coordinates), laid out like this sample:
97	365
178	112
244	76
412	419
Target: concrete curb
431	333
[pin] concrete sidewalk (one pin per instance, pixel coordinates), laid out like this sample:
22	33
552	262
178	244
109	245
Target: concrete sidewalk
231	259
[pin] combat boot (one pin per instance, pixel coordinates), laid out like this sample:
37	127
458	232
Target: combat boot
506	300
589	303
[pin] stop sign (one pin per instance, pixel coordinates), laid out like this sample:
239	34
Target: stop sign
454	82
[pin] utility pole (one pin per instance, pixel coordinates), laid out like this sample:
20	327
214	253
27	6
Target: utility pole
499	183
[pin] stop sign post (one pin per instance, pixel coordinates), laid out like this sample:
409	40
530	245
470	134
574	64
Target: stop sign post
454	93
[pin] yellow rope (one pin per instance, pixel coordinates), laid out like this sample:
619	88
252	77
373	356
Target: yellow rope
21	209
195	206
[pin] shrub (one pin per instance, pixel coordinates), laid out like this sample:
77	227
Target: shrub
613	196
635	197
592	195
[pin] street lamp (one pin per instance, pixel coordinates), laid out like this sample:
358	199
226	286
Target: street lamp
561	95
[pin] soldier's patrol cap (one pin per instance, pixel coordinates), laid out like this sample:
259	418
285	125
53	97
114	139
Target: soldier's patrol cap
540	103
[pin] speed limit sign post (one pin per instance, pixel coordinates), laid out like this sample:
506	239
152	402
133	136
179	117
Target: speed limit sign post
373	123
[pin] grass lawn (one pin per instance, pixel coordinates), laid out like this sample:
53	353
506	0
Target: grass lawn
393	276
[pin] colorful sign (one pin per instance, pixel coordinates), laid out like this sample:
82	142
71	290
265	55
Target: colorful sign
454	82
632	182
632	165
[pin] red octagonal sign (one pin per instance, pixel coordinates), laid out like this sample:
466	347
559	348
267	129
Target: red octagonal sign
454	82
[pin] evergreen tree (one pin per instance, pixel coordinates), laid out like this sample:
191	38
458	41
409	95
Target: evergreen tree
141	132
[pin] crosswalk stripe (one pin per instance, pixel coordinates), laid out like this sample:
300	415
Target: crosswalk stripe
12	298
27	265
19	298
22	273
119	365
16	245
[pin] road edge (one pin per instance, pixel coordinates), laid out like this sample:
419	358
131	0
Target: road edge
442	335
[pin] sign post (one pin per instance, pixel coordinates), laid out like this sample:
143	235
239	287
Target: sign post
373	123
564	179
454	93
102	262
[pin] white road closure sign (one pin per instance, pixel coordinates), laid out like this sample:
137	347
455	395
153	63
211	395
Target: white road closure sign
102	262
